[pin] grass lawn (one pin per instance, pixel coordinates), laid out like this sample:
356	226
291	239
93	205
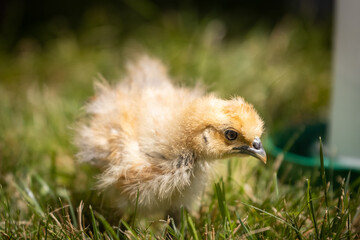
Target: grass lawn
284	72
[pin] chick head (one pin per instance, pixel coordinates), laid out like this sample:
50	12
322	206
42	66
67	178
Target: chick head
226	128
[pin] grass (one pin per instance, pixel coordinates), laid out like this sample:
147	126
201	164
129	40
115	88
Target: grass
229	212
45	194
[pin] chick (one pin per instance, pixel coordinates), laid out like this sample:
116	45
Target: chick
156	143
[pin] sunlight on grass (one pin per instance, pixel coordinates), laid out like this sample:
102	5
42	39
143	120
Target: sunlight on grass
284	72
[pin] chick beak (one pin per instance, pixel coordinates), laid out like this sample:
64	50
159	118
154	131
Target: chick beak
256	150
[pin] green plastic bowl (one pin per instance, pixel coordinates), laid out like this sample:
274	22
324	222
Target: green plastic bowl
305	147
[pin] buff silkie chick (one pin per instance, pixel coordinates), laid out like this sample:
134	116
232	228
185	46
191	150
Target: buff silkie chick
156	143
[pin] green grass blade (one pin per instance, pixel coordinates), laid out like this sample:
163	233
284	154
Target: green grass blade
220	201
229	171
311	209
47	226
272	215
322	171
95	227
118	230
72	212
174	228
348	227
107	226
337	217
276	186
38	230
324	226
224	198
135	211
248	235
45	188
128	228
192	228
30	198
346	190
220	193
171	229
339	222
341	226
182	222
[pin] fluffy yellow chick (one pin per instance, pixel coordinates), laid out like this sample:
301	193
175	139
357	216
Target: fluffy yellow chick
159	140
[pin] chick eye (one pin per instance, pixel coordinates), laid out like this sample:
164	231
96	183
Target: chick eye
231	135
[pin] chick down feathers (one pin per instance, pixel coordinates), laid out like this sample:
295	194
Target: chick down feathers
156	139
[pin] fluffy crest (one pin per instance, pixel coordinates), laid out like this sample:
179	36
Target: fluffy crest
244	117
147	72
235	113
